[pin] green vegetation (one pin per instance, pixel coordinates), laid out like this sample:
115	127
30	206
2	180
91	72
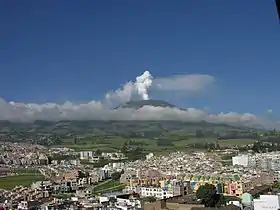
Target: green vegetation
227	157
208	195
26	171
117	175
166	143
140	137
105	185
226	199
227	162
62	157
237	142
10	182
64	196
108	186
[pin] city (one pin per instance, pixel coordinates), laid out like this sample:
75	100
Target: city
139	105
33	179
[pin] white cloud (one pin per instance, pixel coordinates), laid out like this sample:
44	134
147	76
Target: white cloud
121	95
187	83
139	89
269	111
95	110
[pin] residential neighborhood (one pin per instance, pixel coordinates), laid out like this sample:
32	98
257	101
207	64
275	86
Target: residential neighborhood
78	184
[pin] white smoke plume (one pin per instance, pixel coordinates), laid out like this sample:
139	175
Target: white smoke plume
132	90
96	110
187	84
143	83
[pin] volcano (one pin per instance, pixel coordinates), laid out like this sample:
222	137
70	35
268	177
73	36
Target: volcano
140	103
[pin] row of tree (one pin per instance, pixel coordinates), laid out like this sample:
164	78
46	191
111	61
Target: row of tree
132	153
228	135
205	145
265	146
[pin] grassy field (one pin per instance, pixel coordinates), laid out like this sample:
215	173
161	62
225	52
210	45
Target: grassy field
10	182
193	140
111	189
89	146
105	144
232	142
114	143
32	171
108	186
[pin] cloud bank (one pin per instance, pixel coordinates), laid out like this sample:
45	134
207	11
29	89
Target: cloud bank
96	110
139	89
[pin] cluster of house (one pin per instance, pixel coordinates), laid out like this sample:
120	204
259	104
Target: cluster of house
13	197
190	202
62	151
269	160
22	154
165	186
161	177
93	157
113	201
61	183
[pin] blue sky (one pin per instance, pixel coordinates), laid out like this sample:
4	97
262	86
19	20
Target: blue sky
79	50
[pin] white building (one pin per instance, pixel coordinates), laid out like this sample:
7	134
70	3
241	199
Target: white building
265	161
75	162
156	192
121	202
126	204
85	155
113	155
241	160
117	165
149	156
267	202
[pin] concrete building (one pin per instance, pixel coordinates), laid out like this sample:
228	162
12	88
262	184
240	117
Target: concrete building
175	189
270	161
267	202
86	155
241	160
155	192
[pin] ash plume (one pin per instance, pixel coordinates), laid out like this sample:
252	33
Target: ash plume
143	83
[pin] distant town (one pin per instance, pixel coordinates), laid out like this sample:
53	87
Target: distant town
38	177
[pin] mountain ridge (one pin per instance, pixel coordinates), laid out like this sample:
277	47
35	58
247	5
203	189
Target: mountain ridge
137	104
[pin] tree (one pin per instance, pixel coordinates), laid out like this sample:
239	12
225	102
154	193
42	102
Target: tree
151	199
116	176
199	133
218	146
208	195
98	152
82	174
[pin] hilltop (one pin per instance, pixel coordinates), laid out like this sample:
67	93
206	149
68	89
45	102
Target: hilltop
140	103
111	135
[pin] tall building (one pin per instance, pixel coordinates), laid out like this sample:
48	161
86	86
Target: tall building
267	202
241	160
85	155
270	161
